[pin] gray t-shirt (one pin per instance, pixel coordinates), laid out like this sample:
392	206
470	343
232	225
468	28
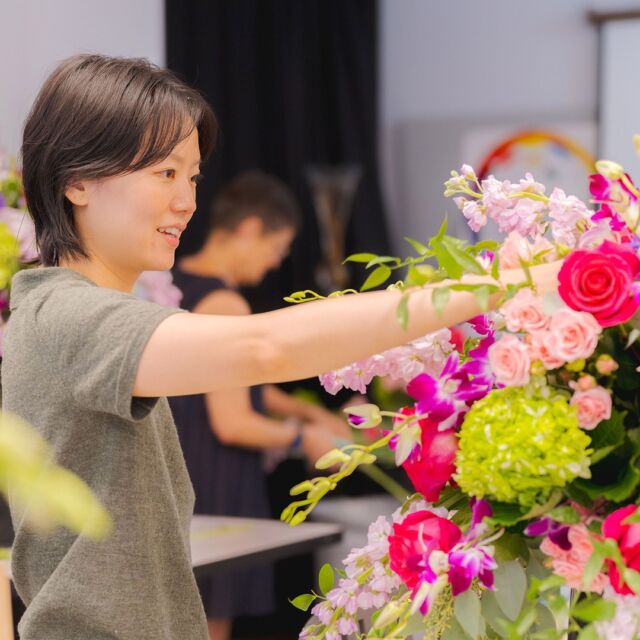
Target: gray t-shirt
71	354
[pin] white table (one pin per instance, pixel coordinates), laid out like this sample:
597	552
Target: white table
219	543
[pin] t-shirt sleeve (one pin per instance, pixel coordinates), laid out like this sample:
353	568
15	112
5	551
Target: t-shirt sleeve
94	339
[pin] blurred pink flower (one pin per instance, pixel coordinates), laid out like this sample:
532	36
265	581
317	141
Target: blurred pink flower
539	344
158	287
21	226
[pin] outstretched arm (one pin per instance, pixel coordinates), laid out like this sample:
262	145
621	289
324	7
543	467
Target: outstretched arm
197	353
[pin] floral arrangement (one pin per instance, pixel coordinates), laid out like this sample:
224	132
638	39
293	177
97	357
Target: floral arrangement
522	445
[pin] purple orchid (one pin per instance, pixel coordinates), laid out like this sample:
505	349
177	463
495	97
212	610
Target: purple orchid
465	565
444	398
482	325
478	366
557	532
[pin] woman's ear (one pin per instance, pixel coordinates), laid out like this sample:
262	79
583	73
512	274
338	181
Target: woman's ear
77	194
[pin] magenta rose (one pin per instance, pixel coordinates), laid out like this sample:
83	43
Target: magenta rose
599	281
628	538
414	539
432	467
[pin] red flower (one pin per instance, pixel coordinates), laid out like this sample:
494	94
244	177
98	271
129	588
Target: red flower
431	467
628	538
599	281
414	539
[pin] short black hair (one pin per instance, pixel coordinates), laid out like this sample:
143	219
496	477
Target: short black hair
255	193
97	117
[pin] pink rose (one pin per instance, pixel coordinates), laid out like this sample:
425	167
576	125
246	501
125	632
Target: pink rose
540	350
571	564
524	312
593	406
584	383
510	361
600	281
574	335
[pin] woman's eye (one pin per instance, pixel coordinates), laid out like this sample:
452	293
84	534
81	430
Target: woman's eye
197	179
168	173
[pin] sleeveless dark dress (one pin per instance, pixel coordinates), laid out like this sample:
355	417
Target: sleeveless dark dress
227	481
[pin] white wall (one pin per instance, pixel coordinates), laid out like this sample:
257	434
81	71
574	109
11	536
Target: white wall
36	34
468	59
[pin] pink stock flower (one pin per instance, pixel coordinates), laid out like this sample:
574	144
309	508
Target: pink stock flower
593	406
573	335
570	217
510	361
524	312
540	349
474	214
571	563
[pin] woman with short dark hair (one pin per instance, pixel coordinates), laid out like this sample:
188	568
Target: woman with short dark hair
111	157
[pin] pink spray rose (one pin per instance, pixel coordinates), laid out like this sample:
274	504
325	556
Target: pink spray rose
524	312
516	248
593	406
510	361
600	281
539	344
574	335
571	564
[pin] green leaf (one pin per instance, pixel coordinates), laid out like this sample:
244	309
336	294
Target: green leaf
402	311
463	257
506	514
326	578
510	588
382	260
466	608
495	267
447	261
545	621
361	257
454	632
482	294
609	433
441	231
632	578
493	614
420	274
439	299
303	601
592	569
588	633
377	277
592	609
419	248
511	546
565	514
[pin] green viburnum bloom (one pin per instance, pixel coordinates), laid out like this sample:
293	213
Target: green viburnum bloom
9	255
517	447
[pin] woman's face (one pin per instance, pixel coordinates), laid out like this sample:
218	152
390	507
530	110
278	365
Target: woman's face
132	223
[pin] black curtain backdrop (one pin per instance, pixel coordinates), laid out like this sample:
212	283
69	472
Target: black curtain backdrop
293	83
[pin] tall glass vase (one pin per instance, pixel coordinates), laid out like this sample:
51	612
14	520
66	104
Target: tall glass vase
333	188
